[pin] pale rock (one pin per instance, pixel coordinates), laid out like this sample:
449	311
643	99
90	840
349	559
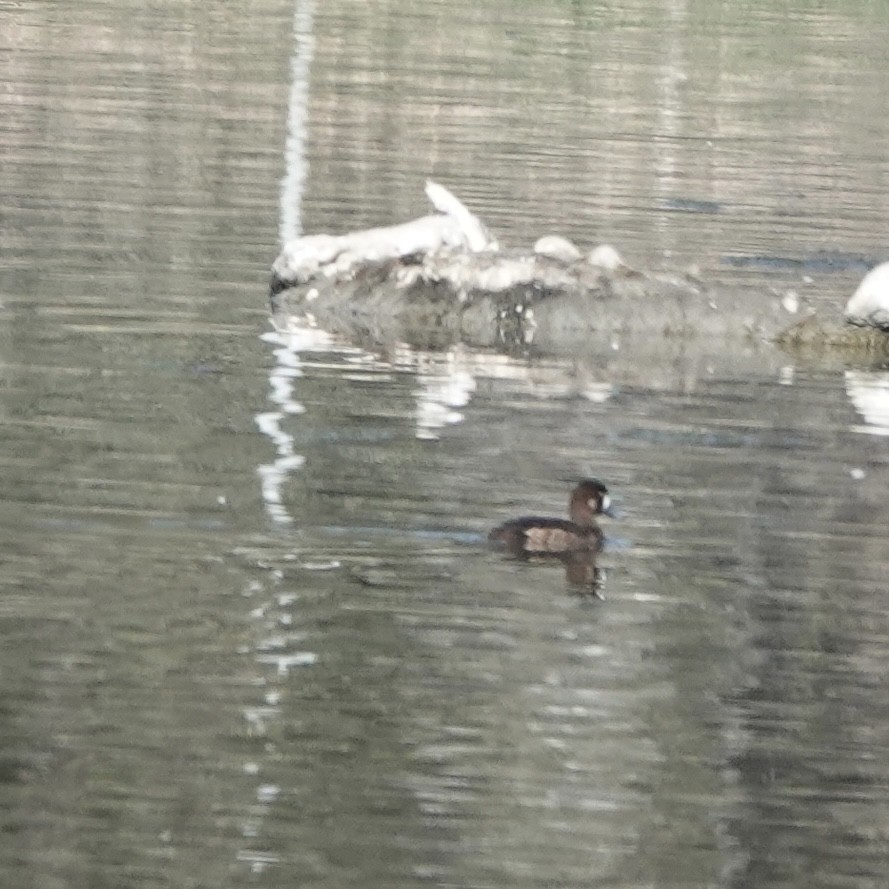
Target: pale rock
869	305
558	248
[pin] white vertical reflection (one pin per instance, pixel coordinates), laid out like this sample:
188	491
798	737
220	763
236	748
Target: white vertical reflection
670	76
296	166
281	395
273	475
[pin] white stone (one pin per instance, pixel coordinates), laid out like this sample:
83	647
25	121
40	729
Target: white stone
558	248
606	257
869	305
790	302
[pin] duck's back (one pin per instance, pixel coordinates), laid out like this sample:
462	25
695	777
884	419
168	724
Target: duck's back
541	535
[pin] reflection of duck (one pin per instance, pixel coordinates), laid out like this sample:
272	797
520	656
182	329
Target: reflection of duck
582	572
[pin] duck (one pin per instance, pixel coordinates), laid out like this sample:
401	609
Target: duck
531	536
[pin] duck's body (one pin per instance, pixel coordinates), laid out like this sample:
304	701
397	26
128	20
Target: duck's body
542	535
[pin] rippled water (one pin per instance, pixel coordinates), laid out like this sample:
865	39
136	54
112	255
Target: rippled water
251	631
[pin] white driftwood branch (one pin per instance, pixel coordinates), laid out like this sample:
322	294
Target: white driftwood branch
453	227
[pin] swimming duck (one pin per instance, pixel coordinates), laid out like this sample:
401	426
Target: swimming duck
540	535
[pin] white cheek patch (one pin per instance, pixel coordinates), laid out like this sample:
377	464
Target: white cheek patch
606	503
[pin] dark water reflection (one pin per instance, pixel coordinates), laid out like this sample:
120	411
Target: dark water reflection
251	632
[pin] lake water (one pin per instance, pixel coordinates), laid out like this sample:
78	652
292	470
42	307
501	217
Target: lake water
251	634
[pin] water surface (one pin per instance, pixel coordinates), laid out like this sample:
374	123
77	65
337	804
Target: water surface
251	631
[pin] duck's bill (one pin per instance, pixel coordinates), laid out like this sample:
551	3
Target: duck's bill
608	508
